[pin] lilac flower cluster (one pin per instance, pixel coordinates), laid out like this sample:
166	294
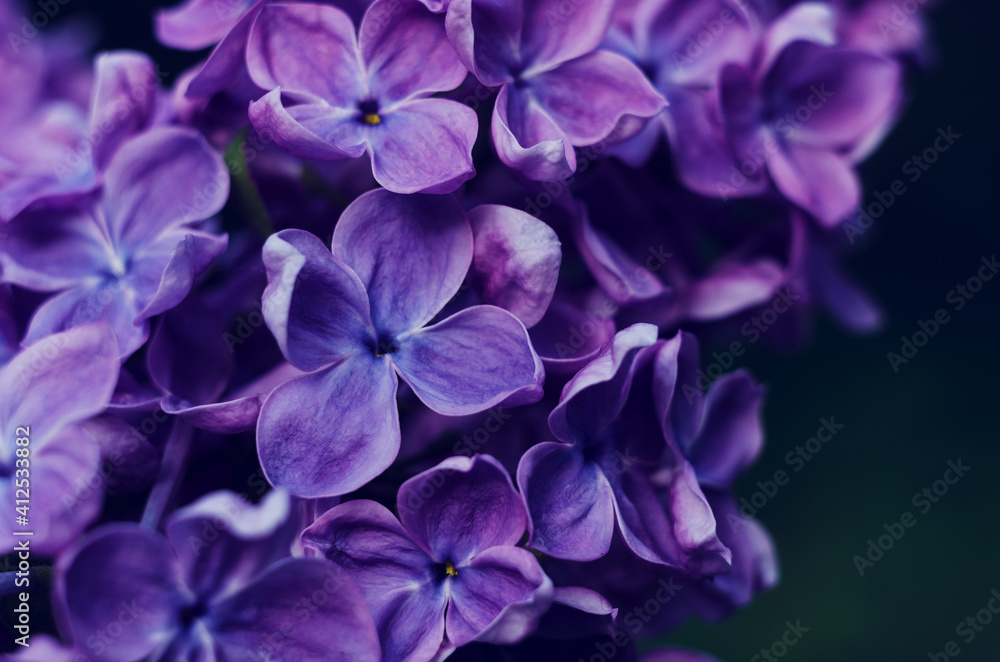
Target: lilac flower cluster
485	237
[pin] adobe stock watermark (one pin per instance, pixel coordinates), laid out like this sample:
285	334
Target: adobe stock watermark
923	501
901	14
47	10
596	316
753	329
635	619
958	297
780	647
689	52
796	459
864	217
757	158
968	628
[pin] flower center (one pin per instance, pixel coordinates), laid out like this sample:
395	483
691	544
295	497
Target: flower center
368	113
449	569
382	346
191	613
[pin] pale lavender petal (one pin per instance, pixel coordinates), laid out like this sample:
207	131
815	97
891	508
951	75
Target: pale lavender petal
807	21
227	417
347	435
732	287
163	178
528	140
63	378
196	24
821	182
614	86
300	609
570	503
490	583
113	302
517	257
455	371
555	32
408	53
306	49
461	507
411	253
270	118
424	145
123	101
314	305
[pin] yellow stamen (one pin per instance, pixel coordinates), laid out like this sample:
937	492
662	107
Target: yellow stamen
372	119
449	569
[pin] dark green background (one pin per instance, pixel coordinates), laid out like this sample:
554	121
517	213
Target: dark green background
900	429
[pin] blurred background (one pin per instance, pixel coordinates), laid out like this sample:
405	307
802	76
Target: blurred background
900	430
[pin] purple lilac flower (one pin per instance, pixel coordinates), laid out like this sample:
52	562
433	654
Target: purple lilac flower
448	571
803	111
336	93
217	586
130	252
614	463
45	392
356	319
556	91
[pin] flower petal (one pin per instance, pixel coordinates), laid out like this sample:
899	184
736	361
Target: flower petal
461	507
396	576
306	49
346	434
454	372
123	80
517	257
197	24
300	609
490	584
406	51
821	182
270	118
314	305
528	140
190	252
424	145
596	394
587	97
163	178
570	503
411	252
63	378
125	574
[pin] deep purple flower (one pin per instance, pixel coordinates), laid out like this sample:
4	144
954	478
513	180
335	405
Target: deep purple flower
45	392
214	588
616	463
130	252
805	112
356	319
338	93
556	91
448	569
